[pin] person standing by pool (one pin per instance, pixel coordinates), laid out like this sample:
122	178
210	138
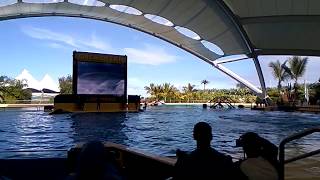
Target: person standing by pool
204	162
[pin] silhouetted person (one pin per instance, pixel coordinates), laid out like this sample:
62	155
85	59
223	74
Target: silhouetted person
145	105
261	162
98	103
94	163
204	106
204	162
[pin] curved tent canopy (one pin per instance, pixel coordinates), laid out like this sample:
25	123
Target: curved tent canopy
284	27
217	31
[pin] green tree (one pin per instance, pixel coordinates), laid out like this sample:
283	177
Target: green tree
154	90
189	90
297	66
274	94
279	72
1	97
158	92
150	89
13	89
167	89
177	95
314	92
204	82
65	84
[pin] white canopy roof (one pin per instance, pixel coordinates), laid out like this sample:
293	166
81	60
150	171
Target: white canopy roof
209	29
280	26
205	18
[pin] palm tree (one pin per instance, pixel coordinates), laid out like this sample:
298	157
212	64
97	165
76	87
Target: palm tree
167	89
204	82
296	69
154	90
150	89
297	66
1	97
158	92
177	94
13	88
188	90
279	72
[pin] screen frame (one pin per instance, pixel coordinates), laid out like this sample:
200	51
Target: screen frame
97	58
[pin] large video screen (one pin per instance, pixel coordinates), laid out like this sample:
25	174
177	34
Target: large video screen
101	78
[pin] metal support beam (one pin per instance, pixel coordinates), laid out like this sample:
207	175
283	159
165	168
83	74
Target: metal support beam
262	94
280	19
261	78
230	59
298	52
236	77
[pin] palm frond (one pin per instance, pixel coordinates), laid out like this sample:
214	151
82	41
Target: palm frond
280	71
297	66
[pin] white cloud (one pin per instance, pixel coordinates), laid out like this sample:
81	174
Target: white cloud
150	55
45	34
136	87
137	91
96	43
56	46
58	40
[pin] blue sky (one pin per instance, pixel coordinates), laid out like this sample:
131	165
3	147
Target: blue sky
44	46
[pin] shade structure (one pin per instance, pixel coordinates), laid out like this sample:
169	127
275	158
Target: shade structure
216	31
282	27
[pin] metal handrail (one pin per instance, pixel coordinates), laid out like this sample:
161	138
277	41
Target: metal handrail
289	139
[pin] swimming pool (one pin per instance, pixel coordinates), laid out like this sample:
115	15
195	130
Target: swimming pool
159	130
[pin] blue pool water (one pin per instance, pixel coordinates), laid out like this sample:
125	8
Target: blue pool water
160	130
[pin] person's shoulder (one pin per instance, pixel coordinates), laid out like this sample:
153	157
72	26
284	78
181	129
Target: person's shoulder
182	157
222	155
182	154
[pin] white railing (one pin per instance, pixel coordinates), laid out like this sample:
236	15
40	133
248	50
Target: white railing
28	102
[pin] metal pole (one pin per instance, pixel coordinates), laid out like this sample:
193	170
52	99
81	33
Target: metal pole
236	77
260	75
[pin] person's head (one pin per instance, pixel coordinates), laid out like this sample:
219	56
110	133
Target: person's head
202	133
251	144
92	160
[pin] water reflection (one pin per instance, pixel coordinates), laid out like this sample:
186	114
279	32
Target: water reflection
30	133
160	130
99	126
